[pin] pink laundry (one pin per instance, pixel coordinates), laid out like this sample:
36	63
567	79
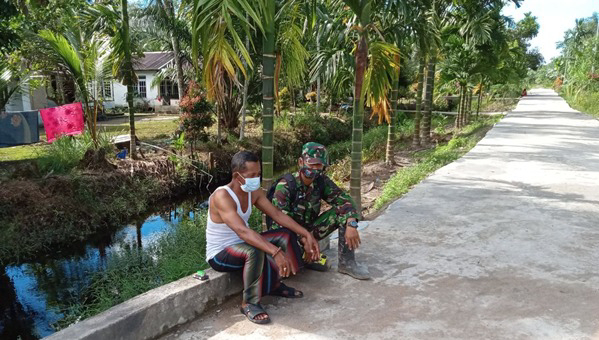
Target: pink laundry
66	120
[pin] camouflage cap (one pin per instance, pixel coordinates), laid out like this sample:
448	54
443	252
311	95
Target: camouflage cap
315	153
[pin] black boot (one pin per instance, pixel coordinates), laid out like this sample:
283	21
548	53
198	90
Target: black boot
347	260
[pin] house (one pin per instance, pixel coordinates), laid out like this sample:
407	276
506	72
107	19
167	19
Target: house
113	94
163	97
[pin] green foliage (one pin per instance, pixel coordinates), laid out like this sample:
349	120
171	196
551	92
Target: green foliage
584	101
133	271
65	153
96	203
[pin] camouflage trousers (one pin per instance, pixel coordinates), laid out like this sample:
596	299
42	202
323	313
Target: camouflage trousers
326	223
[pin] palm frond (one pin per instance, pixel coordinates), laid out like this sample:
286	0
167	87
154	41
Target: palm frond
382	69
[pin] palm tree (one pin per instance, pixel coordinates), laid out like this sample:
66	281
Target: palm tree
168	12
112	24
425	130
389	154
268	73
128	74
417	117
215	39
69	52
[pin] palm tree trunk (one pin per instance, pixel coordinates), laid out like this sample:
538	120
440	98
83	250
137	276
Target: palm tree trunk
128	68
318	79
417	118
355	183
389	157
176	49
169	12
460	116
469	107
425	133
480	98
246	83
268	69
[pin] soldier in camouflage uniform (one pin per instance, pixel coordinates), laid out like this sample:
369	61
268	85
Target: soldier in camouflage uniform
305	207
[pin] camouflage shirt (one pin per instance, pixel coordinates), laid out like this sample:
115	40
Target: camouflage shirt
306	207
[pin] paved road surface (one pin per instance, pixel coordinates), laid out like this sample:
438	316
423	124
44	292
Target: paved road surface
502	244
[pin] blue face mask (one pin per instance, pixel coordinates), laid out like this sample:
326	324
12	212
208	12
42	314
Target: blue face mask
251	184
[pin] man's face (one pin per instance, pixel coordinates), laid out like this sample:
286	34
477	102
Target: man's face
252	169
315	166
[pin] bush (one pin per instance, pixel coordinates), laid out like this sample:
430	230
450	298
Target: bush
196	115
66	152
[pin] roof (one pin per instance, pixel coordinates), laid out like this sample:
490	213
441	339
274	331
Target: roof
153	61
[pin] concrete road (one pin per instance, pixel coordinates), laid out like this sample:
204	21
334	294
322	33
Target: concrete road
502	244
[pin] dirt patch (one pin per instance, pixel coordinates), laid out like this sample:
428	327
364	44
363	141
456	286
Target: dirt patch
96	160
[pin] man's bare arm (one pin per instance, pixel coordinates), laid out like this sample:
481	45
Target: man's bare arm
227	210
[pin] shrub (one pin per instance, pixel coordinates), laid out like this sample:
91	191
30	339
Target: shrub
196	114
66	152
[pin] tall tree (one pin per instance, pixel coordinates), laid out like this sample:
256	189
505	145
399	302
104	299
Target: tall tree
168	12
268	75
128	75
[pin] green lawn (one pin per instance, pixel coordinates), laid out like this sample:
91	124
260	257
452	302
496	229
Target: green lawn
146	130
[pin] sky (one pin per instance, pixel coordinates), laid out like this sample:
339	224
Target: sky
555	17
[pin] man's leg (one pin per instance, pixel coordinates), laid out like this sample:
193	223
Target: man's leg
287	240
252	261
325	224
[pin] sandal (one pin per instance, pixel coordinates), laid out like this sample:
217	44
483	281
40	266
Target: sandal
251	311
287	292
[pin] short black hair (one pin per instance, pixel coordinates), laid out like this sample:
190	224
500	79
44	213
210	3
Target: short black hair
239	159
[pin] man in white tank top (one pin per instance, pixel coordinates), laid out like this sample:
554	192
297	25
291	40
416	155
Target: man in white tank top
264	257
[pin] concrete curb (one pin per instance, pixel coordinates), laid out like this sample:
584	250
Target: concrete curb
155	312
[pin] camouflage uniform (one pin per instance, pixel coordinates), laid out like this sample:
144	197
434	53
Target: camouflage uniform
305	208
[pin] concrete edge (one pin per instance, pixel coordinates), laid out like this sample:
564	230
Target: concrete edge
157	311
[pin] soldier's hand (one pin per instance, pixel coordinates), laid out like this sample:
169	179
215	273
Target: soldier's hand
352	238
311	247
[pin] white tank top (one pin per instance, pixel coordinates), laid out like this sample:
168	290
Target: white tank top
220	235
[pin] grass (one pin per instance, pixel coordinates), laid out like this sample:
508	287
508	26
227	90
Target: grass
133	271
147	130
374	145
431	160
38	217
584	101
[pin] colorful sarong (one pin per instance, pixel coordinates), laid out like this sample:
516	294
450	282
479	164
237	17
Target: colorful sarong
260	272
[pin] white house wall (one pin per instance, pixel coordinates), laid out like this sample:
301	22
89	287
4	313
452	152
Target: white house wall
120	91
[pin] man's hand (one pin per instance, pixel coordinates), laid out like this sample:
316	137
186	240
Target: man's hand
311	247
283	264
352	238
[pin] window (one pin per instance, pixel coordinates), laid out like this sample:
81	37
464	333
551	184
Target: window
107	89
169	90
141	87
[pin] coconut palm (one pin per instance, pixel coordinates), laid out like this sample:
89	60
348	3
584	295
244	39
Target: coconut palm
71	52
111	23
217	43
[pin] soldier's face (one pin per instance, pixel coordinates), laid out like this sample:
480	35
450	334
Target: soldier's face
317	166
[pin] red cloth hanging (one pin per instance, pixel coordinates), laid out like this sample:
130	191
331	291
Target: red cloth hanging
63	120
